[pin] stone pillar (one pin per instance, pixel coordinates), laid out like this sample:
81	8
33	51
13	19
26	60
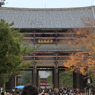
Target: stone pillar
79	81
35	76
56	78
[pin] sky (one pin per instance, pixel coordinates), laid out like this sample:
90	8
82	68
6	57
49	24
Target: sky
48	3
43	74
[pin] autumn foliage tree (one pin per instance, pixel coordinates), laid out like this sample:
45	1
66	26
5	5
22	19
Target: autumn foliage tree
83	60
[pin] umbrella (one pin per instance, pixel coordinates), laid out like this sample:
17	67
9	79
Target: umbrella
19	87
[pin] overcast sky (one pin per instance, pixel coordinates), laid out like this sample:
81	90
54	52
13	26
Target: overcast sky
48	3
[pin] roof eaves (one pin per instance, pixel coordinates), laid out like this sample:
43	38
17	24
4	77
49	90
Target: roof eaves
46	9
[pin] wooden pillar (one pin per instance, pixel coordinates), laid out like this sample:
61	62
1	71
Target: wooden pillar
11	83
56	38
34	39
55	78
79	81
56	73
35	76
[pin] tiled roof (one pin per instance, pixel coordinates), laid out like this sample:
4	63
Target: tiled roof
46	18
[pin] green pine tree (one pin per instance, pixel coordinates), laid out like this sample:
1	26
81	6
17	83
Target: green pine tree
12	50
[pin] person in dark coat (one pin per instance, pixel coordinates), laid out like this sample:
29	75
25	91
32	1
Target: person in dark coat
30	90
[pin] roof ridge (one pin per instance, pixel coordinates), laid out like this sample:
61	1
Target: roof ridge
45	9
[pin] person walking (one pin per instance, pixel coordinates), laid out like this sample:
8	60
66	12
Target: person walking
30	90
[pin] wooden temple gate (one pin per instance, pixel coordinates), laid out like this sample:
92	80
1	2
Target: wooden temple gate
51	29
48	55
52	53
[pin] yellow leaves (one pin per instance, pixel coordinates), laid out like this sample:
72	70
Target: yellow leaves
82	70
76	62
79	56
91	63
80	61
85	40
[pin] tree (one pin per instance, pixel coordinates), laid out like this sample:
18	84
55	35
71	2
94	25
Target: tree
83	60
66	79
12	50
49	79
26	78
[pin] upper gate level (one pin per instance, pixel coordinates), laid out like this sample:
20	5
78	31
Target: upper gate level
54	47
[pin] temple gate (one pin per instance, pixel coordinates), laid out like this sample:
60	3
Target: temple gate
51	29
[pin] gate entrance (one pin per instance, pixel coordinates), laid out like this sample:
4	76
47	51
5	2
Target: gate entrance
54	50
52	79
45	80
56	79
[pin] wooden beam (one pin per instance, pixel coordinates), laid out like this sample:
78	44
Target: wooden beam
53	37
48	33
45	56
45	61
46	52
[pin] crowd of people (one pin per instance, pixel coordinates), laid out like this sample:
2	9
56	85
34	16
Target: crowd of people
32	90
56	91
